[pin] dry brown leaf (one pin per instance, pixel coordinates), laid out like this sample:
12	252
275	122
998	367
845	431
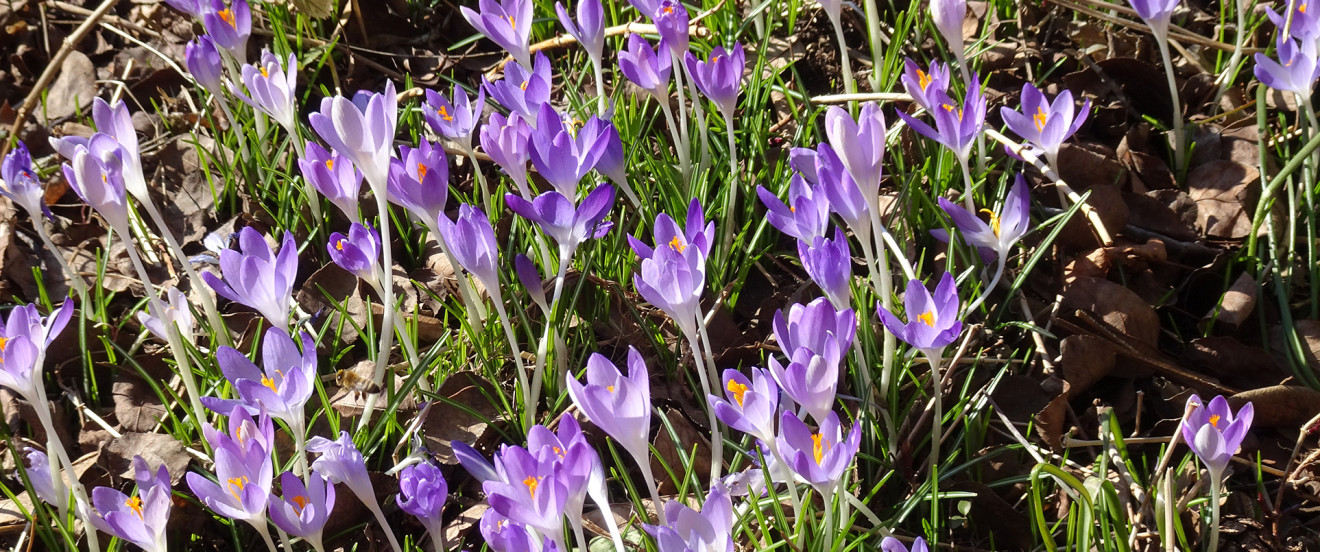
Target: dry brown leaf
1224	198
136	405
1085	360
1281	406
1119	306
465	412
156	448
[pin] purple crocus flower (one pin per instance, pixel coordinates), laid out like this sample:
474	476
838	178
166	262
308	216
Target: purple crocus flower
710	530
505	535
561	154
178	312
254	276
507	23
671	22
619	405
506	141
1044	124
423	492
611	162
419	180
26	321
194	8
1157	13
924	86
749	405
139	519
589	30
818	457
19	183
472	242
304	509
1005	227
281	388
1305	25
860	144
229	26
205	65
844	193
96	175
342	463
531	279
40	477
829	264
1297	73
806	216
115	144
891	544
812	325
272	87
932	321
358	252
719	78
647	68
958	125
529	491
697	232
335	177
521	90
243	469
1214	432
575	461
673	279
455	120
560	220
361	129
811	378
948	17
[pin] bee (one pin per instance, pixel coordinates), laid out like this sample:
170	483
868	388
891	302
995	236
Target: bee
358	379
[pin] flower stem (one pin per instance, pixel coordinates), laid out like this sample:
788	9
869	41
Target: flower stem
677	63
75	280
1226	78
385	275
481	178
849	84
701	118
1213	541
703	374
260	526
999	272
680	146
542	347
873	33
204	292
717	431
1162	39
792	491
732	196
313	198
529	407
937	433
967	185
601	104
384	525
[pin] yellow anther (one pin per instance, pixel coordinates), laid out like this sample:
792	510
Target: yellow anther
269	383
135	504
927	318
677	244
1041	118
923	79
994	221
818	447
738	391
444	114
264	73
532	482
299	503
421	171
228	15
238	482
1214	420
330	164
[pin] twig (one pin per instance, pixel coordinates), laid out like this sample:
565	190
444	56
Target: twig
862	97
1175	31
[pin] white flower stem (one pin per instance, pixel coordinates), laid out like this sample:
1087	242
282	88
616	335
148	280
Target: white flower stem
644	464
299	427
596	490
873	33
385	276
676	66
829	529
680	145
731	200
602	105
849	84
967	185
529	407
384	525
773	445
481	178
1215	484
999	272
75	280
260	525
705	375
543	346
475	307
937	420
716	430
204	292
1226	78
1179	139
700	112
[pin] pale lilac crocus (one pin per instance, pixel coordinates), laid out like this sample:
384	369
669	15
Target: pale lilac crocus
891	544
244	470
419	180
358	253
696	232
619	405
335	177
710	530
611	162
178	312
811	378
671	23
1156	13
99	180
1044	124
502	534
194	8
205	65
720	77
229	26
271	86
806	214
925	86
423	493
932	320
846	197
1005	227
829	264
523	91
819	457
647	68
812	324
1298	71
529	491
506	141
304	509
471	239
562	154
531	280
26	321
748	405
673	279
1305	24
342	463
956	125
114	122
948	18
253	275
281	387
1214	432
38	473
859	144
139	519
558	218
362	130
457	119
507	23
588	29
18	182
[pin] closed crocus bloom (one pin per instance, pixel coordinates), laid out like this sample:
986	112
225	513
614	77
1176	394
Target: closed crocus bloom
423	492
932	320
531	279
522	90
818	457
271	87
1297	73
334	176
619	405
507	23
341	462
562	154
710	530
419	180
304	509
178	312
958	125
139	519
673	279
282	387
256	277
529	491
205	65
806	216
361	129
1157	13
844	194
1214	432
671	21
811	378
1005	227
39	475
229	26
18	182
720	78
558	218
611	162
829	264
811	324
114	126
589	29
457	119
358	252
506	141
891	544
697	232
18	367
859	144
923	86
948	17
748	405
99	182
1043	124
472	241
646	67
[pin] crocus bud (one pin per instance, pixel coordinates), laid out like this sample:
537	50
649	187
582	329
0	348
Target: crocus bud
589	29
18	182
646	67
205	65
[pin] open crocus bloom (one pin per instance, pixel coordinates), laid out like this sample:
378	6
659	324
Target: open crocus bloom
1214	432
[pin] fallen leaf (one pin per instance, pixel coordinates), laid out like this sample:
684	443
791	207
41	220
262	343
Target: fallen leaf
156	448
1085	360
137	407
73	90
1234	307
1224	198
1116	305
1281	406
465	411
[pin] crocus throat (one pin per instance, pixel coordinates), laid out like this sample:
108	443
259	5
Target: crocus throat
421	171
738	391
264	73
532	482
677	244
299	503
512	24
927	318
236	485
955	110
3	342
669	10
339	245
135	504
330	164
818	447
994	221
269	383
228	16
1214	420
1041	118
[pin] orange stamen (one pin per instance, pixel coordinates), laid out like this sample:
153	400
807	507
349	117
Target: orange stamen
1041	118
994	221
135	504
677	244
927	318
738	391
